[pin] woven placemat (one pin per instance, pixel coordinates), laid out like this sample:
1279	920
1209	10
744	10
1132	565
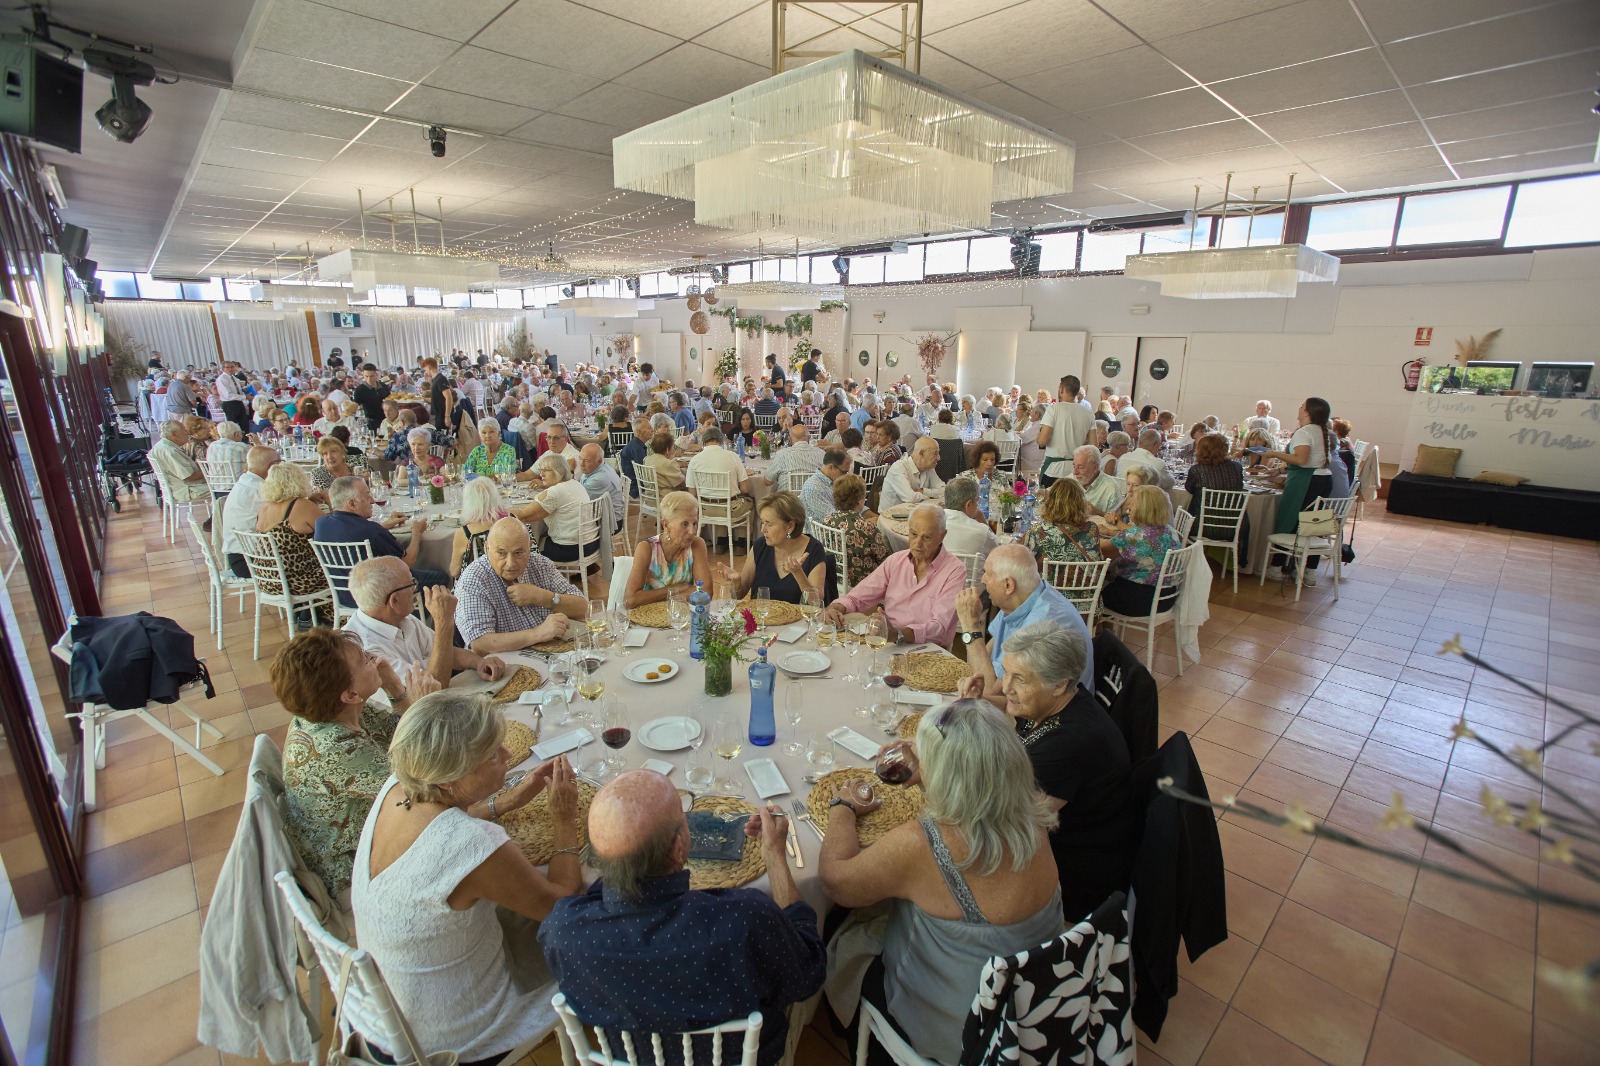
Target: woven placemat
900	803
932	671
525	679
518	741
652	615
908	726
555	647
532	831
710	873
779	612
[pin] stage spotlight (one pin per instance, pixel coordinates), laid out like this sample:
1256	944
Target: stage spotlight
436	140
842	266
124	116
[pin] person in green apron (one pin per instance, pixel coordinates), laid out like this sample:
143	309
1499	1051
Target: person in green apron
1309	477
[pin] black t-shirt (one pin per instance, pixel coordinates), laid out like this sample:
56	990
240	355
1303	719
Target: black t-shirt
483	360
776	376
436	390
783	588
809	370
370	398
335	362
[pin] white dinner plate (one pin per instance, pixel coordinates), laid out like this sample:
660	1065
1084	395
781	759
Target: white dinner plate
803	662
637	671
673	733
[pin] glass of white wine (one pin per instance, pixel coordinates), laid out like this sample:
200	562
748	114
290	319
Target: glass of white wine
590	685
727	741
820	756
827	633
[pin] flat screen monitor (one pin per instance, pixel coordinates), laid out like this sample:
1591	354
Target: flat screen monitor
1560	379
346	320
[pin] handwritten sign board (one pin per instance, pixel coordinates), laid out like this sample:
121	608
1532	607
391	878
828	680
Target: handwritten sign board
1550	442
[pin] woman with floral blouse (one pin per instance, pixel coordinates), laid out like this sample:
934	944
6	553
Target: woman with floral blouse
865	547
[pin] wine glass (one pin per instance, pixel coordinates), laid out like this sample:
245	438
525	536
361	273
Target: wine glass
699	776
878	667
875	631
727	741
763	604
561	674
590	685
596	621
897	764
820	755
793	707
810	606
615	731
678	614
620	624
893	681
827	633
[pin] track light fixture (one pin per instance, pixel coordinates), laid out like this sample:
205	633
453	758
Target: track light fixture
124	116
436	141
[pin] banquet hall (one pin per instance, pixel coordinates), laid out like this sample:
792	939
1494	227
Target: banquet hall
395	391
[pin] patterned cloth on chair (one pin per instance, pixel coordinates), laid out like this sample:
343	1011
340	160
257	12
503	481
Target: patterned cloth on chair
1069	1000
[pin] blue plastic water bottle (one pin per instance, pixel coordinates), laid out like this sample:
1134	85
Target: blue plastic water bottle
412	481
763	727
699	614
738	445
983	496
1030	504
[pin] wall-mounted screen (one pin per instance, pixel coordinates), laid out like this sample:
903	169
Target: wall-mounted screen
346	320
1560	379
1474	377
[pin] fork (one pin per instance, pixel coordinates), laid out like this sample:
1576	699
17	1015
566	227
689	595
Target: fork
801	814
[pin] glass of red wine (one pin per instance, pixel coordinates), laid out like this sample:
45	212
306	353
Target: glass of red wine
897	763
893	681
615	732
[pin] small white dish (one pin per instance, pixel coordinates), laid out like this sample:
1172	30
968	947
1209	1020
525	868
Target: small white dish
854	742
766	777
640	670
635	637
660	766
672	733
803	662
564	743
790	634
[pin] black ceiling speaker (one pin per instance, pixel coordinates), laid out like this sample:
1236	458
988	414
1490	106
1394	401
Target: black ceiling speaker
1025	253
842	265
74	243
41	97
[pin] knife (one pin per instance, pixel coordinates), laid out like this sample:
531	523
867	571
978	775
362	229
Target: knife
804	815
794	842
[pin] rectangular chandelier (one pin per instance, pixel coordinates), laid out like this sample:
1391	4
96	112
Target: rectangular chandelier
778	295
366	270
847	149
1263	272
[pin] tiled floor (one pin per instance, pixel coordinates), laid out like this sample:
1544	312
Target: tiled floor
1335	955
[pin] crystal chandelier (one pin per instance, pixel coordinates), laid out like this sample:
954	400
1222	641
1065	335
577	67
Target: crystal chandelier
845	150
1262	272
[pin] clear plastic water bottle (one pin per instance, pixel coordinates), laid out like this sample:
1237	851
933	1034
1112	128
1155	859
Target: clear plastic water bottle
413	483
983	496
699	614
299	434
763	726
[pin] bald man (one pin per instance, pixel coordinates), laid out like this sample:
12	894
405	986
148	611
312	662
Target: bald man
511	597
244	504
1021	597
641	950
598	479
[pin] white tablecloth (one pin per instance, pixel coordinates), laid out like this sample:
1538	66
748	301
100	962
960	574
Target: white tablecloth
1260	514
440	534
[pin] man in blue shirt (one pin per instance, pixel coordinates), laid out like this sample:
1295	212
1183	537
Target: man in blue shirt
768	404
351	521
634	452
682	416
642	951
1012	580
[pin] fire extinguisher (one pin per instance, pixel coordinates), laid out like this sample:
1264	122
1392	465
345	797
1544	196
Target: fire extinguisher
1412	372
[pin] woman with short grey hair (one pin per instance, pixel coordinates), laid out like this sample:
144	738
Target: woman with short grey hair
971	878
562	507
431	925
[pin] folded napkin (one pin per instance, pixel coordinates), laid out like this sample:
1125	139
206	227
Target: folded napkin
712	838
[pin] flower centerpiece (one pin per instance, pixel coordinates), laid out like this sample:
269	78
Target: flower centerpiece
1003	500
720	644
436	480
763	441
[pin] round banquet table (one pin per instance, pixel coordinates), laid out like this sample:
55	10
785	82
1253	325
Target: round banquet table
444	521
1260	514
755	466
830	702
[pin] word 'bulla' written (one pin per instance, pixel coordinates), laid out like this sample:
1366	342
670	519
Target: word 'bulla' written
1456	431
1543	438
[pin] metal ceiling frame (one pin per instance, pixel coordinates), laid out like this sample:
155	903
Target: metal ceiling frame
908	54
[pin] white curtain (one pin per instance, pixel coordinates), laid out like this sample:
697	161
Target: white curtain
181	332
405	336
261	340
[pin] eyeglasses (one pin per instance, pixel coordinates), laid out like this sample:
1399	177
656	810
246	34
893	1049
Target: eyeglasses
411	585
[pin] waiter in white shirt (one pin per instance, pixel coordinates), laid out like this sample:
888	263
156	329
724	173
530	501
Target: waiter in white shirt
1065	426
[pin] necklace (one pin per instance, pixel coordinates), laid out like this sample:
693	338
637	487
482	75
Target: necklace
1031	732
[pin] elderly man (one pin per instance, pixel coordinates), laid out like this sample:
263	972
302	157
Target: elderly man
816	495
800	457
905	418
1104	492
634	452
966	531
682	417
715	459
598	479
511	597
642	951
1147	456
244	505
911	479
181	473
867	412
351	521
1021	596
1064	427
768	404
386	595
227	454
835	436
180	396
332	415
1263	418
559	440
916	588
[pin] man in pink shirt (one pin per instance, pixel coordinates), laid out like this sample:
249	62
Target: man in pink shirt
915	588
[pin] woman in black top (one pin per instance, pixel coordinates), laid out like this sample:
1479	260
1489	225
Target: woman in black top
783	559
1213	469
744	426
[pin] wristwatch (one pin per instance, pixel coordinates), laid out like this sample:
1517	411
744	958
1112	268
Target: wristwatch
555	599
969	637
839	801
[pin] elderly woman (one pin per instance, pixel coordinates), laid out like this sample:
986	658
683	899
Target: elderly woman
493	458
1137	550
265	411
887	446
674	559
1118	444
335	462
431	924
561	506
784	560
663	461
1030	456
289	517
481	507
336	754
202	431
1064	532
282	427
1213	469
985	457
865	546
970	879
1001	430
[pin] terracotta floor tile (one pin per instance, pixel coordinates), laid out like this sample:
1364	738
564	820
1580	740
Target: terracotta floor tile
1287	786
151	1029
1394	1043
1240	1040
1268	864
1219	971
1256	715
1457	1015
1251	908
135	860
1237	736
1314	1015
1457	949
1192	1017
1351	721
1325	738
1325	767
1226	763
1348	900
129	968
1344	958
123	822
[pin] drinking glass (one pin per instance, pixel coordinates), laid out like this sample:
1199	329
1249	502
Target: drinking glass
810	606
897	764
727	741
820	756
827	634
615	731
699	776
678	614
886	716
558	708
878	668
763	605
619	630
561	674
596	620
793	708
590	685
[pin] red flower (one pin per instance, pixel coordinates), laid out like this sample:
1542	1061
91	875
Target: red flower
749	621
1021	487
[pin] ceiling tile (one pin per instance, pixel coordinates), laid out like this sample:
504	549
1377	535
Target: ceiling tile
457	20
231	134
1544	33
680	20
382	170
242	178
291	76
1510	85
1534	114
312	31
1110	155
1157	114
1553	138
1202	140
561	34
570	132
952	73
445	108
1346	146
1358	172
1321	80
1311	29
1114	78
1146	173
486	173
747	36
1392	20
615	104
995	42
1157	19
693	74
495	76
1014	101
409	137
1342	116
298	118
1384	181
1216	166
1566	157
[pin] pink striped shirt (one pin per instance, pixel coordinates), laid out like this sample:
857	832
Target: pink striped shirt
927	608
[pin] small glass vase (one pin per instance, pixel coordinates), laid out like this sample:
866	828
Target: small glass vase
435	494
719	675
766	450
